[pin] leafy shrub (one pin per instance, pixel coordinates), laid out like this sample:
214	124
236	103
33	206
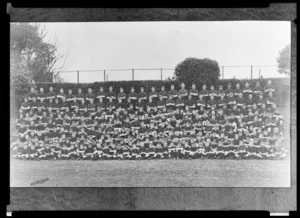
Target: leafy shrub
198	71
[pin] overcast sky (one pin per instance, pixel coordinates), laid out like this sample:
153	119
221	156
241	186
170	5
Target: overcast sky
128	45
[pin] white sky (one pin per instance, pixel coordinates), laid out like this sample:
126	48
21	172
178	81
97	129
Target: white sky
128	45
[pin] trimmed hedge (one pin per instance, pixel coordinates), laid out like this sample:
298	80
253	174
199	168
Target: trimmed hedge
282	86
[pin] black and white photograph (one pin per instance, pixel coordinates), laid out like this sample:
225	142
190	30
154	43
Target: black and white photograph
150	104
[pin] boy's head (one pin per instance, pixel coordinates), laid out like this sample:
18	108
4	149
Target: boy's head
269	82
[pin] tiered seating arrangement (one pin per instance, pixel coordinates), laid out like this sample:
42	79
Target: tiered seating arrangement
239	123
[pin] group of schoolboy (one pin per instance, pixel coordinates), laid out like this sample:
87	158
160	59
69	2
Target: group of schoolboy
233	123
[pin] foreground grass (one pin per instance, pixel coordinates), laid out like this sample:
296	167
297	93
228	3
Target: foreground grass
152	173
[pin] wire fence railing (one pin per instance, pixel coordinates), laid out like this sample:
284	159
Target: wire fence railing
103	75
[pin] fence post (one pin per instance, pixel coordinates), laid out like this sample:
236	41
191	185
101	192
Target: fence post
251	71
104	76
77	76
259	73
222	72
161	74
132	74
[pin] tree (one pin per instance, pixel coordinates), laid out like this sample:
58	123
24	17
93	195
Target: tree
20	78
31	58
198	71
284	61
40	57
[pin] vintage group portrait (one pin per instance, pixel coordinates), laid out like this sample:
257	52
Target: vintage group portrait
169	104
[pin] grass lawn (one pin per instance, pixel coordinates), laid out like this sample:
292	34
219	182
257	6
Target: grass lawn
150	173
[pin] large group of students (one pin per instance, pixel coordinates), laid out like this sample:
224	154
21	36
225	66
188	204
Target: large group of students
215	123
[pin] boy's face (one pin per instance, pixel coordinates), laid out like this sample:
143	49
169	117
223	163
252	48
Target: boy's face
153	89
172	87
110	88
270	94
162	88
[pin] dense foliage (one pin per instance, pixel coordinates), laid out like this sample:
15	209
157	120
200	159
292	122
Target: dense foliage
198	71
284	61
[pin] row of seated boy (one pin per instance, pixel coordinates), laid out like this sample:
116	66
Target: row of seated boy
194	146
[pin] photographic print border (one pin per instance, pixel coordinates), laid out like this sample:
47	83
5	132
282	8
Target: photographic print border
270	199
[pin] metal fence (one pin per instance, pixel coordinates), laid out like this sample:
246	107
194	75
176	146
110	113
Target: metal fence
102	75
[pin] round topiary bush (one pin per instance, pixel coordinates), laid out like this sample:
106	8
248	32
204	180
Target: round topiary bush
194	70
